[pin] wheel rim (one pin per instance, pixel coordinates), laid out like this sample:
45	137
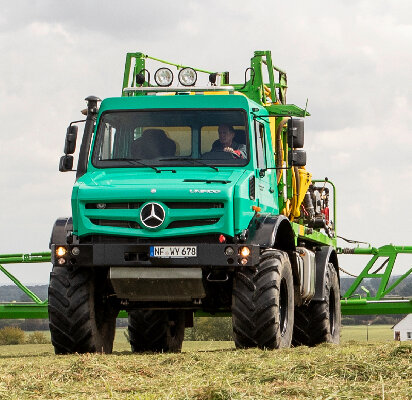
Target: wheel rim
283	306
332	312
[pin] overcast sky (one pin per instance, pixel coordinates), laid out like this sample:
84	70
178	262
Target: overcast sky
351	59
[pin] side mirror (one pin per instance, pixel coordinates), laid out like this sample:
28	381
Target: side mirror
66	163
71	137
297	158
296	133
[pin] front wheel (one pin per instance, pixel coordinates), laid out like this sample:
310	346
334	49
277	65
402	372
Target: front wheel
263	303
157	330
82	318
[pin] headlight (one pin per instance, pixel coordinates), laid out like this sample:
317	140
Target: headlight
187	76
163	77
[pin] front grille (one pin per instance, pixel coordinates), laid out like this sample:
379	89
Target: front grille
173	205
204	213
192	222
113	206
116	223
183	205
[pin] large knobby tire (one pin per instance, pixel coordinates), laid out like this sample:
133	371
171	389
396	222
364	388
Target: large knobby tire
320	321
263	303
157	330
81	317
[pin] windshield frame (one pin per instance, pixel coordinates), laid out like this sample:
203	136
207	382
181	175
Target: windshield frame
157	162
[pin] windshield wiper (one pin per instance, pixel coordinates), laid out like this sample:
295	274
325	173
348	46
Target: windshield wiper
195	160
136	162
207	180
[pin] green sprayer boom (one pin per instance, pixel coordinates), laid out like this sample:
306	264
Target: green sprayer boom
355	301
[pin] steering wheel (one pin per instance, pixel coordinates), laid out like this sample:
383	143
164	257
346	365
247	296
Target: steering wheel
219	155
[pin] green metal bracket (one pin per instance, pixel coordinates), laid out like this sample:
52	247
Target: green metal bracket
356	303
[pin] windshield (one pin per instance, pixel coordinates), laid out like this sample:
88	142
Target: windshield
171	138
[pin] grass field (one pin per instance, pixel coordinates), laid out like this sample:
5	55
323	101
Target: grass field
379	369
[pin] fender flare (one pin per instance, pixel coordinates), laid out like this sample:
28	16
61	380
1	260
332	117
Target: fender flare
59	231
323	256
272	231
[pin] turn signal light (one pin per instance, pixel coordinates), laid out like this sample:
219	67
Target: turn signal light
244	251
61	251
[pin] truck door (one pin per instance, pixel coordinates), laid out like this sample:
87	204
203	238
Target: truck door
265	178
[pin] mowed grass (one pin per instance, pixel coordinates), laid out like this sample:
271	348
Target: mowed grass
379	369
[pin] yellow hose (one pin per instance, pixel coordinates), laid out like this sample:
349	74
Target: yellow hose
278	145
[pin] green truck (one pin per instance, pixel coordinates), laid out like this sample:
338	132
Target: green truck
194	199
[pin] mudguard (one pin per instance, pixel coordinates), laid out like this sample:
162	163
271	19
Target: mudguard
60	229
271	231
323	256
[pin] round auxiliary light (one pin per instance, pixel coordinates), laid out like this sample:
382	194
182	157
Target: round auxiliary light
75	251
163	77
187	76
229	251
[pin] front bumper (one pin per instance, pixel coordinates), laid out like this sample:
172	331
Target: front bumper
139	255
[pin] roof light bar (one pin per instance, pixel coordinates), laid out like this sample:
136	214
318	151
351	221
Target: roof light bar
158	89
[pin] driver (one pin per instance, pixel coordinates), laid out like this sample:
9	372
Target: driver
226	142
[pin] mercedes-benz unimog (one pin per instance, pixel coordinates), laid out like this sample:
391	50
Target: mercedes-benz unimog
194	199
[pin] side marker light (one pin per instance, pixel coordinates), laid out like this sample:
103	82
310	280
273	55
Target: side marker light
222	239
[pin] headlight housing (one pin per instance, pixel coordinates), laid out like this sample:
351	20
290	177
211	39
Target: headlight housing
163	77
187	76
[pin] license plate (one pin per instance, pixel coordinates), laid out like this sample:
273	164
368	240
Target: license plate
173	251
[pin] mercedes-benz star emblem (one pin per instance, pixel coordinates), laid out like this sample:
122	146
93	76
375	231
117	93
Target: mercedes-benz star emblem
152	215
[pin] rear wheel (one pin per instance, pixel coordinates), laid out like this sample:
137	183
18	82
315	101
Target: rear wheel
262	303
158	330
81	317
320	321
